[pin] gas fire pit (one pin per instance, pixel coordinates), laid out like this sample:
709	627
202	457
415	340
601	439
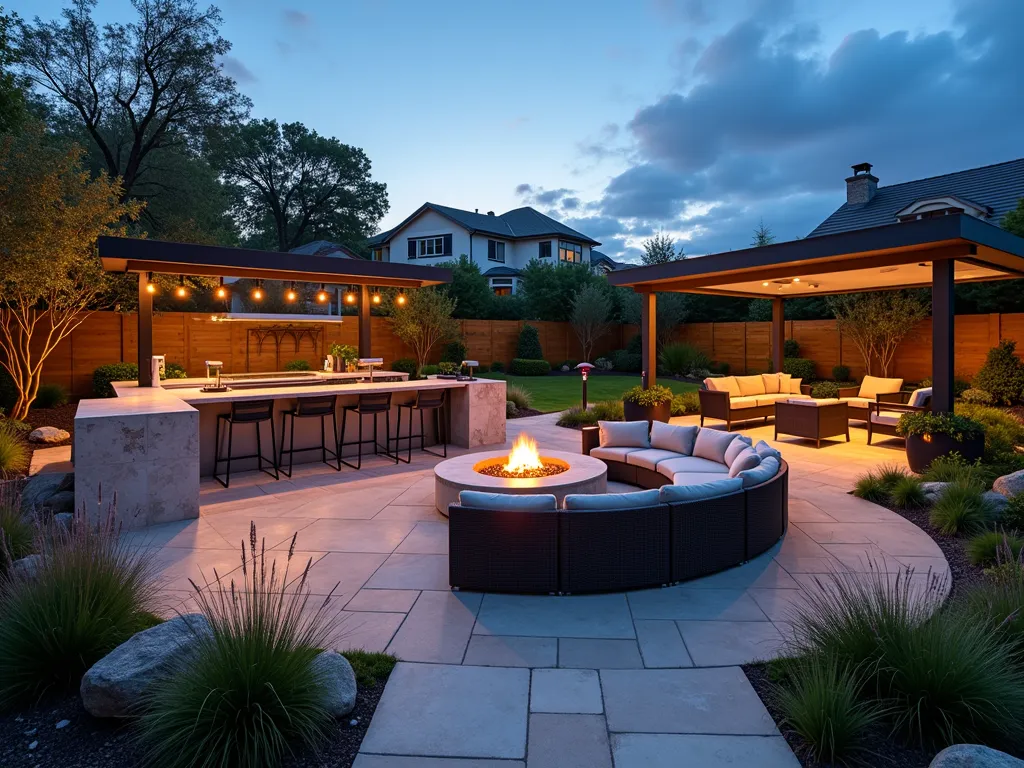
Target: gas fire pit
524	469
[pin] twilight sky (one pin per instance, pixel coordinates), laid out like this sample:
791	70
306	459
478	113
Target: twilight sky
698	117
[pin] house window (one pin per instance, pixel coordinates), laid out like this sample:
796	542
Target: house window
501	286
377	254
496	251
545	249
429	247
572	252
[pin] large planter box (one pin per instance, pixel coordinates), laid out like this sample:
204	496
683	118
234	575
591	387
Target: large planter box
922	452
634	412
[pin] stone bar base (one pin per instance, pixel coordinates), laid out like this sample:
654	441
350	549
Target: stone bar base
478	413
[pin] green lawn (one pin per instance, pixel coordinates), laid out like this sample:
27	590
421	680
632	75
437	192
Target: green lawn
556	393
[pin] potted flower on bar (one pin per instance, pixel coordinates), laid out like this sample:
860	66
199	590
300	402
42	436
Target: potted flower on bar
931	435
654	404
344	355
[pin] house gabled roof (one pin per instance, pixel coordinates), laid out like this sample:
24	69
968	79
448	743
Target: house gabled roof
517	224
326	248
996	188
596	257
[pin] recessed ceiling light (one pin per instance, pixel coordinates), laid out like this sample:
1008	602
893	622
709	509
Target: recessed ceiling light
796	279
764	284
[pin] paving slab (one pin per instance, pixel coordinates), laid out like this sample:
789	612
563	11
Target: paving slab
404	761
442	710
598	653
724	643
568	741
661	645
667	750
366	631
503	651
689	603
427	538
412	572
708	701
356	535
389	600
437	628
566	691
589	616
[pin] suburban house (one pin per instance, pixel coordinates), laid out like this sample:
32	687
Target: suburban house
500	244
987	193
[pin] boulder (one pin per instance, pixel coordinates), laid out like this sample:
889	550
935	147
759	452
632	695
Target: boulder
115	685
336	673
933	489
1011	484
49	435
27	566
41	487
64	519
974	756
62	502
996	501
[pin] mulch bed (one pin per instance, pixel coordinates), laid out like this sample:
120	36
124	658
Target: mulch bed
86	742
61	417
524	412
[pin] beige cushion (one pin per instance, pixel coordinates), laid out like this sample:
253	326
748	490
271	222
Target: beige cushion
595	501
920	397
873	385
750	385
747	459
889	418
670	438
769	399
530	502
624	434
736	447
784	379
762	473
794	385
694	491
697	478
712	444
771	383
612	454
805	400
749	401
648	458
723	384
684	464
857	402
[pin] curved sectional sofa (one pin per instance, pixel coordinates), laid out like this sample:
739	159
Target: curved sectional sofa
712	501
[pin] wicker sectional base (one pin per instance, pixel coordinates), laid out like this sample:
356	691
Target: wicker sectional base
582	551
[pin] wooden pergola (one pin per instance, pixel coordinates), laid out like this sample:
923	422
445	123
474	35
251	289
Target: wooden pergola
935	253
123	254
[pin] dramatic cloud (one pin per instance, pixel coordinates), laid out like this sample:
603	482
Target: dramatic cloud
766	124
236	69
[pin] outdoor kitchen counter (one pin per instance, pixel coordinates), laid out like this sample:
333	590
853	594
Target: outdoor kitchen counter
151	445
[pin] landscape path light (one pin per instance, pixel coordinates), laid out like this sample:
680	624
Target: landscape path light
584	369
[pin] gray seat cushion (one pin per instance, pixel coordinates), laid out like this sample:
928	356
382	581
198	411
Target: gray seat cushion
529	502
697	478
691	492
648	458
887	418
613	454
672	438
670	467
595	501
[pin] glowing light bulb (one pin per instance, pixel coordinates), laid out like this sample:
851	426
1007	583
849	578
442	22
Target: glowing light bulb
222	292
376	298
150	288
400	300
180	292
350	298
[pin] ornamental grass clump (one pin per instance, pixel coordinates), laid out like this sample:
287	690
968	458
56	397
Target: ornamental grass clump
954	468
961	508
821	700
877	485
17	532
984	548
685	403
250	695
997	602
14	452
90	593
518	395
907	493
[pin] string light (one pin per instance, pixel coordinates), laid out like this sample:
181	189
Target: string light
181	291
222	291
375	298
350	296
290	294
321	295
400	299
150	285
257	292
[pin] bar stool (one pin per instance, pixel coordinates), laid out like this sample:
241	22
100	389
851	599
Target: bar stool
426	400
310	408
253	412
372	404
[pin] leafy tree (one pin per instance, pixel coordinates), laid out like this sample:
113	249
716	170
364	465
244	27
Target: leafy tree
590	310
877	323
528	346
294	185
424	321
12	97
548	289
508	307
660	249
50	275
672	310
469	289
139	88
1014	220
762	235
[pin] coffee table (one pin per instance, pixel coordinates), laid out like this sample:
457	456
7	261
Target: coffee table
812	419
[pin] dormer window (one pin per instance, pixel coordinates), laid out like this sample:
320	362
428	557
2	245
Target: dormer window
946	205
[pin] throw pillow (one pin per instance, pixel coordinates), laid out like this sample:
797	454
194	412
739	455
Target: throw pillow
670	438
794	385
736	447
624	434
747	459
712	444
771	383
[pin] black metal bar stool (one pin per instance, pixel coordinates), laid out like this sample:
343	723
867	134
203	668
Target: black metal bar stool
310	408
432	400
253	412
372	404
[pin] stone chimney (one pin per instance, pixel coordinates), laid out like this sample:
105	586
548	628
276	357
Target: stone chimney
490	213
862	186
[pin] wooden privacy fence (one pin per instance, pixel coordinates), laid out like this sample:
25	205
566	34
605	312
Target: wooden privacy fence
189	339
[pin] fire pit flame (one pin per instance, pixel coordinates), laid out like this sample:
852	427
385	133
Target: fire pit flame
524	461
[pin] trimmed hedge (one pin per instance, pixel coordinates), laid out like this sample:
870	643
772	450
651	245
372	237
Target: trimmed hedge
841	372
497	367
105	374
798	367
529	344
628	362
405	365
522	366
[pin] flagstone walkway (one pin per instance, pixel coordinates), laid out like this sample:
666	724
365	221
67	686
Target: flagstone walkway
645	678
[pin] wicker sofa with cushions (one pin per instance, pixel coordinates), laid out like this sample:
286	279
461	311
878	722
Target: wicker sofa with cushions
739	398
693	520
872	389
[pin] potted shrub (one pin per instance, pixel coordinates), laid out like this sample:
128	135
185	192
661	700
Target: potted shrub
931	435
344	355
654	404
447	370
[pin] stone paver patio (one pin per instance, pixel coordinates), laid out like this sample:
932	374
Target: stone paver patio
646	678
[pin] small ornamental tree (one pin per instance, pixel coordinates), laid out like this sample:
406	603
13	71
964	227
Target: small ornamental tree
51	279
876	323
424	321
1002	375
529	344
590	309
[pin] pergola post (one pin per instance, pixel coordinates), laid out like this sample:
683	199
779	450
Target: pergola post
649	337
364	321
145	345
778	334
942	335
